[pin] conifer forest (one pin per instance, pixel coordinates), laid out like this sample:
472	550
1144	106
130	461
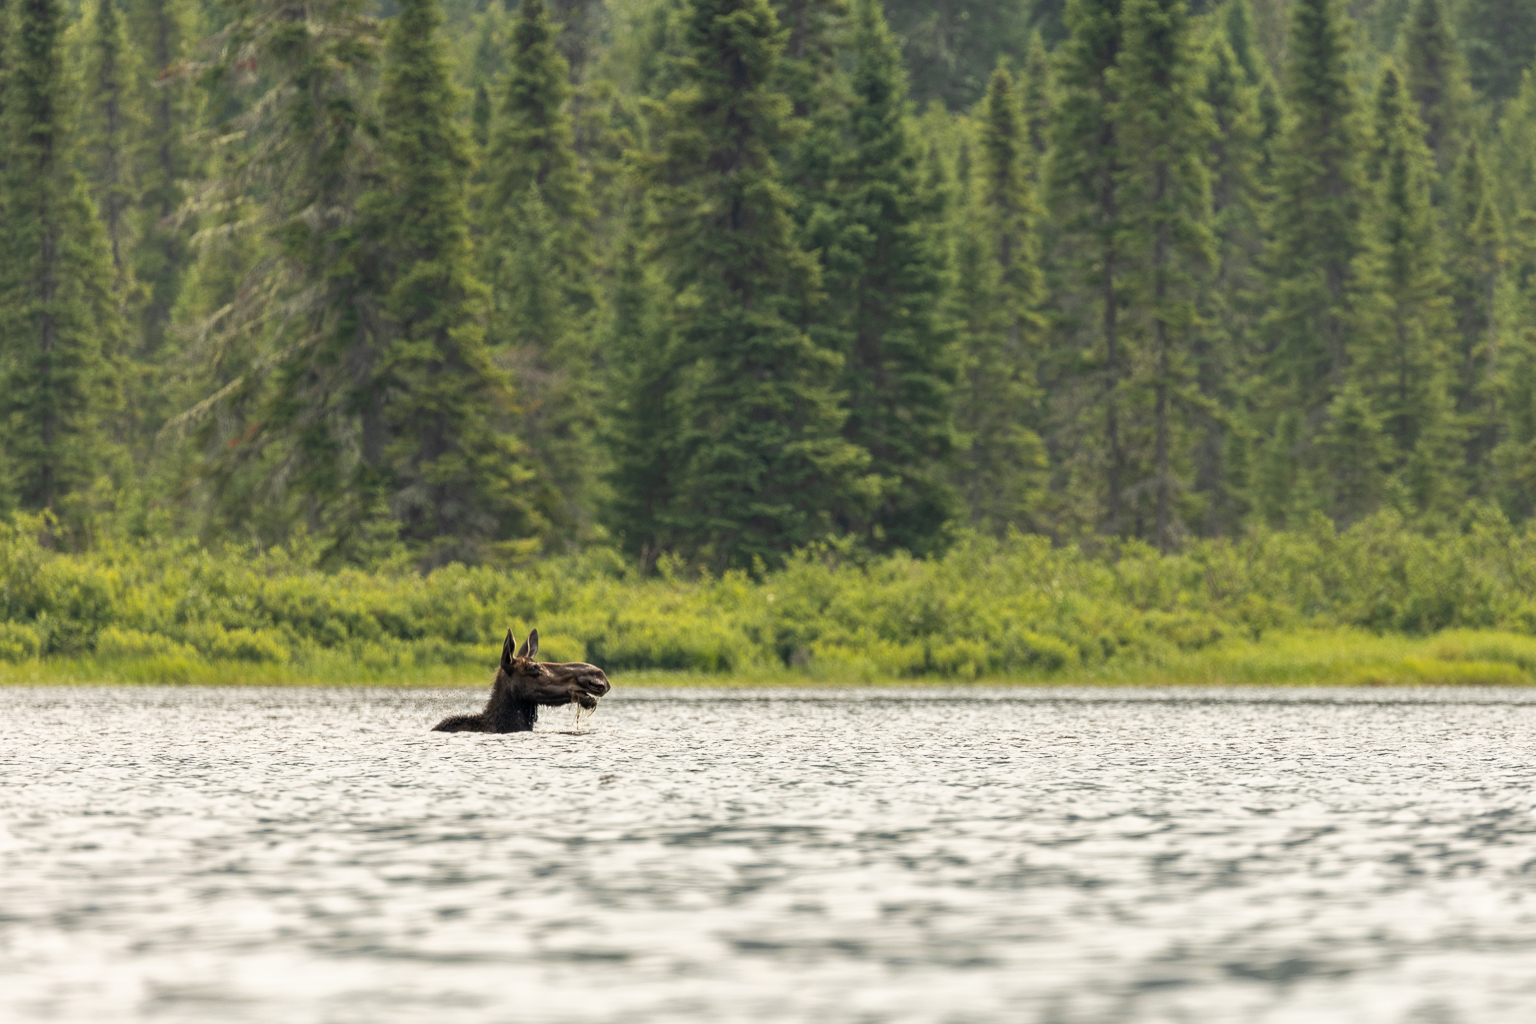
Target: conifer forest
709	282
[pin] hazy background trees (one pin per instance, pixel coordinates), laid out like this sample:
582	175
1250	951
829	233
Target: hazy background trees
453	280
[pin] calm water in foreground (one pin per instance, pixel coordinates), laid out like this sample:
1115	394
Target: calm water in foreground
1010	855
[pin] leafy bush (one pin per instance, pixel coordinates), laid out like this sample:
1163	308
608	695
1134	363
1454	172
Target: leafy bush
1015	607
123	642
18	642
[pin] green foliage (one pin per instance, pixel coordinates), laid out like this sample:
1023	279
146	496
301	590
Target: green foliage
1086	169
883	274
532	145
1225	352
1435	70
1404	372
1475	263
451	474
1166	129
691	274
18	642
290	426
165	161
59	325
1015	607
543	338
817	88
1000	471
641	422
538	260
1322	303
758	457
110	123
1501	44
951	48
1038	97
1237	29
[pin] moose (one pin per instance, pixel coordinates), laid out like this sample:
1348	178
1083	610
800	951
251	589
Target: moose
522	684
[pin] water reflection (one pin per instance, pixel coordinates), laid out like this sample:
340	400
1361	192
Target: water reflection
183	854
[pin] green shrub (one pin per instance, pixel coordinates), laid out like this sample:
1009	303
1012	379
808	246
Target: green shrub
122	642
560	647
987	607
19	642
216	643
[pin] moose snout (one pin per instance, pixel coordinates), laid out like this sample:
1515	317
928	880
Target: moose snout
597	684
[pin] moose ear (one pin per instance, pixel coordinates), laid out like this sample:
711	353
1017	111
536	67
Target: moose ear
533	644
506	652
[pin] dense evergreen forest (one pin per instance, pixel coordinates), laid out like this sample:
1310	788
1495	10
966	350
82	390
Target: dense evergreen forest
433	281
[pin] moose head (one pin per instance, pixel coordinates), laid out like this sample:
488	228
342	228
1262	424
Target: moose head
523	684
548	683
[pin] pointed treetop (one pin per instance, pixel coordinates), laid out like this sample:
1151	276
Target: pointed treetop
1239	32
533	142
1435	70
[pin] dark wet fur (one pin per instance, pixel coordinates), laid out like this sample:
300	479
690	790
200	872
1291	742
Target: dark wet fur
506	711
522	684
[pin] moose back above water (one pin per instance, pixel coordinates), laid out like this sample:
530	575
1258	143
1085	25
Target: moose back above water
522	684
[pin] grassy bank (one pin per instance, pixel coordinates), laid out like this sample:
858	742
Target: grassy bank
1306	658
1375	604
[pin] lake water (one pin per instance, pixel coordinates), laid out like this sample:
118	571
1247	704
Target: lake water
1010	855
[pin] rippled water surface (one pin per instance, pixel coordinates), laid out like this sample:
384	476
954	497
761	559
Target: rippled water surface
298	855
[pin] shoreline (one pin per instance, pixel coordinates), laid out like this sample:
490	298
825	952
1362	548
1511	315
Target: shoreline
1305	658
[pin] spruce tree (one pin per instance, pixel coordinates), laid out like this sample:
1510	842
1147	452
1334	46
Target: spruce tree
1511	466
1224	351
816	32
1238	31
1039	100
548	343
884	280
1272	117
812	76
163	33
759	461
486	65
1356	454
58	327
112	125
1320	274
1436	73
1380	23
998	295
1513	161
1237	28
1086	172
1165	129
643	422
538	258
292	427
1475	262
1500	38
818	91
454	477
1404	366
532	144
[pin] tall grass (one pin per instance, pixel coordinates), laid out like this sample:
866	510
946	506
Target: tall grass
1368	604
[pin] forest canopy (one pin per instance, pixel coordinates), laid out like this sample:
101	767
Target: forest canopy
427	282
